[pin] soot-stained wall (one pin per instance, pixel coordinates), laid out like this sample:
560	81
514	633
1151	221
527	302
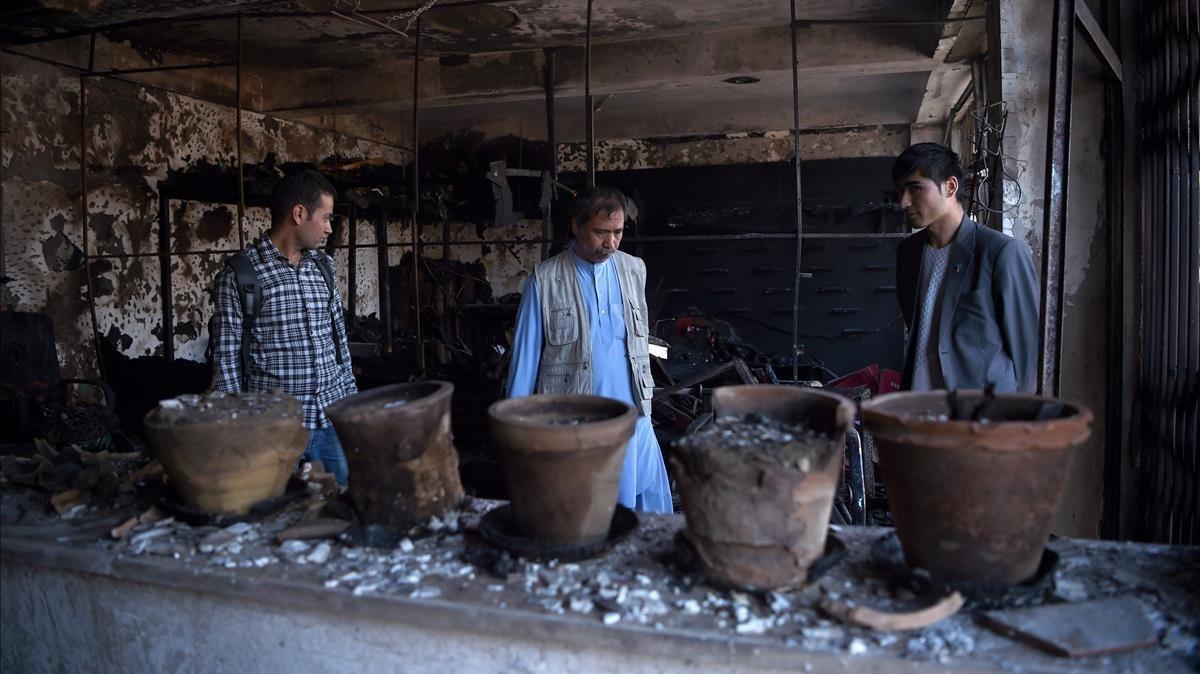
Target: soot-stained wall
137	137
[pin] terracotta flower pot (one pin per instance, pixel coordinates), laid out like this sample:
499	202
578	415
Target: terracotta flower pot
225	453
562	457
758	519
974	501
400	452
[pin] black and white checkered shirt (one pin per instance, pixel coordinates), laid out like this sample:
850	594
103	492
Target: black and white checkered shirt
293	342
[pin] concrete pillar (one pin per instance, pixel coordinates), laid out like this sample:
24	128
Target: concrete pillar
1025	38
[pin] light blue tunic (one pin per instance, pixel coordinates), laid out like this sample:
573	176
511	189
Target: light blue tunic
644	485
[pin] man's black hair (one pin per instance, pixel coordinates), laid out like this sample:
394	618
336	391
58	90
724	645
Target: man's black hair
304	188
606	199
935	161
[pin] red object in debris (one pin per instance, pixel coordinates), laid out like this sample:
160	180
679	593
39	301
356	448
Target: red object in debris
879	380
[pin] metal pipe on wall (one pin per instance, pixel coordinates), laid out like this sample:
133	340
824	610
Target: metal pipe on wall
1119	217
1058	136
2	247
83	207
241	177
552	142
164	266
416	197
385	285
351	269
589	114
995	117
799	204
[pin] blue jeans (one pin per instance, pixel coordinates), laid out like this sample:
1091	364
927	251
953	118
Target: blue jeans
323	444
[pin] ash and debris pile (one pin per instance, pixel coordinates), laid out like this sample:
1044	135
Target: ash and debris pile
216	406
760	439
314	541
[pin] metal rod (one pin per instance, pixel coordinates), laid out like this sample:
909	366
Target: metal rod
1058	135
220	16
241	168
1118	181
3	252
416	195
138	23
352	270
1097	40
995	205
589	119
552	142
789	236
700	238
161	69
164	268
886	22
83	211
799	203
385	284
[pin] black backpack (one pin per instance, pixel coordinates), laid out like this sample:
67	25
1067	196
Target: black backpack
250	294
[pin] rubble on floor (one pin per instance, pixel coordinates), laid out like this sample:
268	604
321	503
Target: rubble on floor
639	582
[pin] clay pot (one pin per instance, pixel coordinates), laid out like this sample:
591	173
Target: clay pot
974	501
400	452
756	522
225	463
562	457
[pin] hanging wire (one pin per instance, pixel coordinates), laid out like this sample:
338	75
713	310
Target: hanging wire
983	182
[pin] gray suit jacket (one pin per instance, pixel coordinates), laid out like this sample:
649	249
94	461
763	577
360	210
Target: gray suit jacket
988	330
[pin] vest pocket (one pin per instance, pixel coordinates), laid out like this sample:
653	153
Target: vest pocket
564	329
644	377
639	322
558	378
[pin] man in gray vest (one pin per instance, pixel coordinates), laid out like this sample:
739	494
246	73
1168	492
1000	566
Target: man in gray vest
968	293
583	328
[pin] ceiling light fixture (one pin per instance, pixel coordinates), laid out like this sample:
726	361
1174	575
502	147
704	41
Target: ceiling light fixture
742	79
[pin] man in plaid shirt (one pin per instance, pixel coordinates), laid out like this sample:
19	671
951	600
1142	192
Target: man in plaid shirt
293	342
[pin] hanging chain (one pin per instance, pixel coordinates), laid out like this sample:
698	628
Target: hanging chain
409	17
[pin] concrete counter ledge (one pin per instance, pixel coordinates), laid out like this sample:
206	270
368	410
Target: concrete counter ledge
195	599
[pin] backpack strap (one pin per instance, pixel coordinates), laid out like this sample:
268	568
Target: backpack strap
250	294
325	264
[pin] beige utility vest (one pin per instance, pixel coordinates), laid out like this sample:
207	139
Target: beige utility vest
566	363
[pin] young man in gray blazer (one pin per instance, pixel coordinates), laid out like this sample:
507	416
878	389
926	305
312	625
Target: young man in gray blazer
968	293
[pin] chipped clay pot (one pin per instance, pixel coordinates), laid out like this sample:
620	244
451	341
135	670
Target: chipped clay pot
562	457
754	522
974	501
400	452
224	463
